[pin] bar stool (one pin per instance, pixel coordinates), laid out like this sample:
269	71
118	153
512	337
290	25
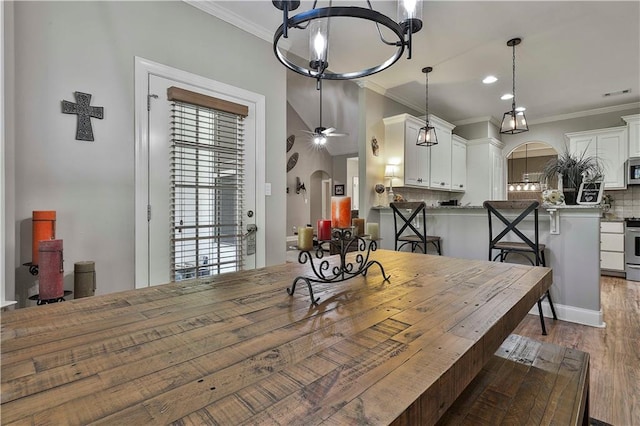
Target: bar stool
525	246
404	215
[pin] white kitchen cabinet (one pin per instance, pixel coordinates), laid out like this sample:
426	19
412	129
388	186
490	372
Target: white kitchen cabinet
633	127
401	134
485	170
611	247
440	173
458	163
420	166
610	146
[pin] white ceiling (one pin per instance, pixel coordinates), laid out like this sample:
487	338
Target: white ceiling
571	53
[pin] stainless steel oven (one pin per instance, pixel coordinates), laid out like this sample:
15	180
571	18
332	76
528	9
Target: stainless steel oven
632	248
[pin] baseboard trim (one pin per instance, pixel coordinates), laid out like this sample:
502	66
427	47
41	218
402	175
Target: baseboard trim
571	314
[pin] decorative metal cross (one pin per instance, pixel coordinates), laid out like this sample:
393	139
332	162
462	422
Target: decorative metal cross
84	132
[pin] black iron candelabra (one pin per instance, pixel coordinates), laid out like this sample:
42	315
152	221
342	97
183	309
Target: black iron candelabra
343	240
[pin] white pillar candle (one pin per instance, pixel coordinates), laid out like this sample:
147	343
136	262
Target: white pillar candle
373	229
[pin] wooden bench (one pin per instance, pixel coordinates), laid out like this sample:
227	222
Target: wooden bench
526	382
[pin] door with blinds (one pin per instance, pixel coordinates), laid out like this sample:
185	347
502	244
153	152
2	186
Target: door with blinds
201	184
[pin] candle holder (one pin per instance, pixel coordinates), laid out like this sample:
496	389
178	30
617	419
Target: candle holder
343	240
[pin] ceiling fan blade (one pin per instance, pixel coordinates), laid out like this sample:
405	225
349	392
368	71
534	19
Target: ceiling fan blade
337	134
329	130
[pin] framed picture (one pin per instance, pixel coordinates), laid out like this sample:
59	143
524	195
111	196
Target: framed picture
338	189
590	193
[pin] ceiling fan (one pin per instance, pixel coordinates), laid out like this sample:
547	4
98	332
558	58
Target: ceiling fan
320	134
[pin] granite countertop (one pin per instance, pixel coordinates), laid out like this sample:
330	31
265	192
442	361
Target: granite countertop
546	207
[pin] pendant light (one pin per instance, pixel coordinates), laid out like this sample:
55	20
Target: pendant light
427	134
514	121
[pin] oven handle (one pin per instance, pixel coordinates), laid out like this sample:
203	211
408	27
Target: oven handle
633	267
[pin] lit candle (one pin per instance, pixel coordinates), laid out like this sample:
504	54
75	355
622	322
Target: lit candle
44	229
341	212
324	230
305	238
359	224
373	229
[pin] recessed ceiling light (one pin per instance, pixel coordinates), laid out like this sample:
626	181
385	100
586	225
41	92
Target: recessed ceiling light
506	96
521	109
490	79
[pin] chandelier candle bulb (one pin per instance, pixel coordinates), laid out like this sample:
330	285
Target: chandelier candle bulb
324	230
373	229
359	226
305	238
341	212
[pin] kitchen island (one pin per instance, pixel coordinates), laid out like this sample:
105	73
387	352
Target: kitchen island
237	349
572	237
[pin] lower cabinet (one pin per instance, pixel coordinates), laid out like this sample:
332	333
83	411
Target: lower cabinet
611	247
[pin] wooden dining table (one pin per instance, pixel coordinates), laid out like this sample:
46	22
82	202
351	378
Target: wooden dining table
238	349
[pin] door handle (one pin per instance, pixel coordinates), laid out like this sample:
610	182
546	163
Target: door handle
252	228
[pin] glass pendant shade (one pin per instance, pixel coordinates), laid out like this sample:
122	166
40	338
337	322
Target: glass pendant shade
427	136
514	122
318	44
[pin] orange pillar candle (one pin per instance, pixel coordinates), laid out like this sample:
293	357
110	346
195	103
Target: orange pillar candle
44	228
324	230
341	212
359	224
305	238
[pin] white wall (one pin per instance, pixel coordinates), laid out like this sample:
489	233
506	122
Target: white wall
62	47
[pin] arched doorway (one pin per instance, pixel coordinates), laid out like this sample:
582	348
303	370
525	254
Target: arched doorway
524	170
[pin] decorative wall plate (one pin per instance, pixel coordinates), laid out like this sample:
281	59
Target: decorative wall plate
290	140
292	161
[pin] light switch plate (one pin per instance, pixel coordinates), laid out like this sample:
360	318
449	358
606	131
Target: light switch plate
267	188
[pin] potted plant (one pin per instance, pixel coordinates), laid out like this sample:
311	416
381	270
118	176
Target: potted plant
573	168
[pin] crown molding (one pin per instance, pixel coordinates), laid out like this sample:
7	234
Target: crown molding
368	84
587	113
214	8
485	119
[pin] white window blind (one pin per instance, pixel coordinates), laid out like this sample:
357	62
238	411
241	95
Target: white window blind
207	181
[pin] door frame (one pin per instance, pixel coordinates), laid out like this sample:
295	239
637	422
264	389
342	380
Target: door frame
255	101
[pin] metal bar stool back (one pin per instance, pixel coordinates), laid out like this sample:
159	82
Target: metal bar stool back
526	245
410	227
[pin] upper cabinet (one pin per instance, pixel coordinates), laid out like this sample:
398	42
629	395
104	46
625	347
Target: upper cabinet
420	166
633	126
458	163
485	172
401	134
440	176
611	146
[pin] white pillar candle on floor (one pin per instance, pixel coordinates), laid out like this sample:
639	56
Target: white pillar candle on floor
373	229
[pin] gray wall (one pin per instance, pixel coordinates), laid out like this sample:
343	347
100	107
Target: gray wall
310	160
373	108
62	47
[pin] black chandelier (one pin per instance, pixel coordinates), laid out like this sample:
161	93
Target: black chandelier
409	22
427	134
514	121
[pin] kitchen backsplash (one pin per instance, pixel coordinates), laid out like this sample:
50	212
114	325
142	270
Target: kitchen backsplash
625	203
431	198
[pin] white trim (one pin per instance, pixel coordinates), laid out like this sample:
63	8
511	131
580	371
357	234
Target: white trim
587	113
214	8
367	84
143	68
486	119
484	141
571	314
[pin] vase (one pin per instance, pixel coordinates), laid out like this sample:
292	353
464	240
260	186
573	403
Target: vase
570	196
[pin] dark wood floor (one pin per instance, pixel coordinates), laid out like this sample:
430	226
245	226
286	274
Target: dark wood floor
614	350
